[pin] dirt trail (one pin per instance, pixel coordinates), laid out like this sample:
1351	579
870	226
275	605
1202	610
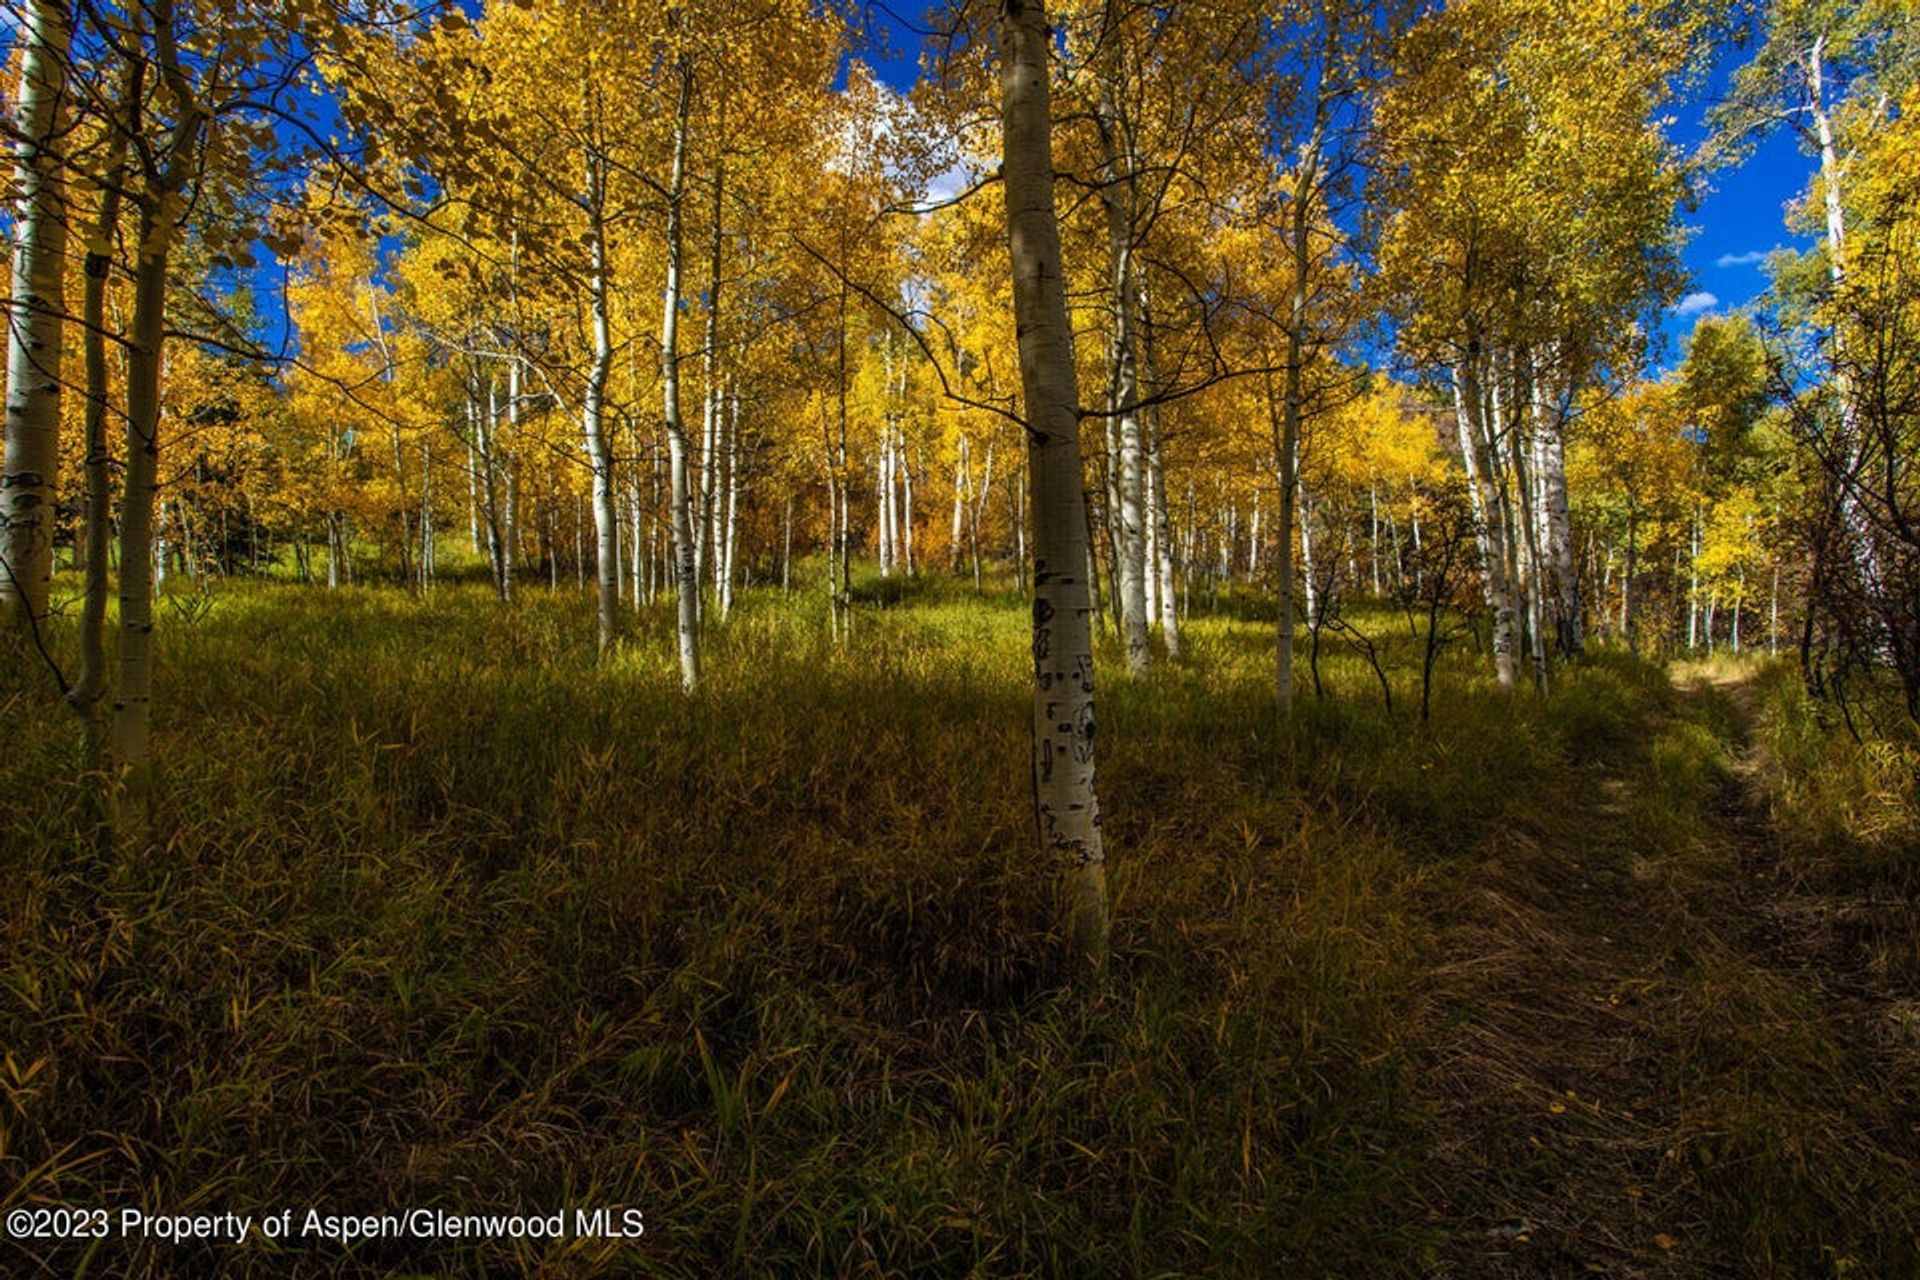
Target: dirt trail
1651	1059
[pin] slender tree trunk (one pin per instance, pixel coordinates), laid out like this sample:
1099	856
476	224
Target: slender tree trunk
729	525
1693	584
489	421
1632	567
1551	470
1483	482
473	483
1016	515
97	527
599	440
335	552
1285	430
713	430
1110	514
426	515
1307	577
133	701
906	511
1860	543
1773	615
1740	592
1160	562
976	509
1149	534
786	548
1519	442
960	478
37	317
1373	535
1287	438
883	501
686	577
510	548
1066	808
1124	387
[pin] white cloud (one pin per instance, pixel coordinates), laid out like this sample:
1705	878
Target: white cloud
1694	303
949	183
1751	258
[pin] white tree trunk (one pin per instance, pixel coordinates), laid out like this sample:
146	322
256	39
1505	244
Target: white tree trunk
37	317
1159	526
473	486
490	489
1483	484
686	575
1306	555
1066	806
1773	614
599	441
959	502
883	501
713	452
906	511
1860	544
1552	470
1124	392
1162	565
730	527
426	515
511	541
1693	584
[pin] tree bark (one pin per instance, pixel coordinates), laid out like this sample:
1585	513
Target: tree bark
1066	807
593	415
713	429
1124	387
1160	566
1483	483
97	526
133	702
37	318
685	576
730	523
1285	429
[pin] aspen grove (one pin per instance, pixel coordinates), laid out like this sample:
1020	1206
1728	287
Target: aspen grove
1022	639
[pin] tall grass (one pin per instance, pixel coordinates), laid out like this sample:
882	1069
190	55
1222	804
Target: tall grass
1840	796
442	911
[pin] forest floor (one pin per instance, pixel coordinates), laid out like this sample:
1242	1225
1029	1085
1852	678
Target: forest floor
1672	1051
438	910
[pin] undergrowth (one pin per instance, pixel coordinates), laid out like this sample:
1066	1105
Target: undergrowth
440	911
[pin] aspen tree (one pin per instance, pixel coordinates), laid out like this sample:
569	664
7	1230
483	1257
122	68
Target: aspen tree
91	686
36	316
685	574
1066	805
168	166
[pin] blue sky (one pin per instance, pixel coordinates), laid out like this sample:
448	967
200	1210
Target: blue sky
1739	222
1742	219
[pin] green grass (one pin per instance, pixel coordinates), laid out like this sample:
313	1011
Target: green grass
440	911
1839	799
